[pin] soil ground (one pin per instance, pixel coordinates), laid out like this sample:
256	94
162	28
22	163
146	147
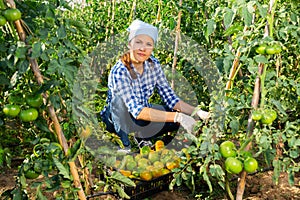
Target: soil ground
258	187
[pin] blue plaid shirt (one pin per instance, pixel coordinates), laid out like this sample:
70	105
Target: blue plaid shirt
136	92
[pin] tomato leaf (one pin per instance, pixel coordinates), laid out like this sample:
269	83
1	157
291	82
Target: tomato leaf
61	168
36	50
247	16
121	192
210	28
61	32
123	179
39	194
228	17
261	59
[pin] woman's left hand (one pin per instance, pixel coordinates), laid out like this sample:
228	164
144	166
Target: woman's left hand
203	114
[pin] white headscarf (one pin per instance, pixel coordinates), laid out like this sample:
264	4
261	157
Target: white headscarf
139	27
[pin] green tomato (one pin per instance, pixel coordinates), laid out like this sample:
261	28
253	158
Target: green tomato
272	113
227	149
261	49
12	14
11	110
233	165
34	100
256	115
29	115
250	165
268	116
2	20
31	174
270	50
277	48
38	166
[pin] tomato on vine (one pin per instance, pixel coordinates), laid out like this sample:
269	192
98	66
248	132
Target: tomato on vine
2	20
233	165
29	115
269	115
31	174
256	115
227	149
270	50
34	100
12	14
273	49
250	165
261	49
11	110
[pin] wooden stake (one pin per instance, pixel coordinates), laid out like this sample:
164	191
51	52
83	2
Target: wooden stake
177	38
254	104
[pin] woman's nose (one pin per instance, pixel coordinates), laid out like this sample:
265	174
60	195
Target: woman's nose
142	47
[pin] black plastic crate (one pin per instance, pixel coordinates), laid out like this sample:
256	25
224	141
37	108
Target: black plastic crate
145	189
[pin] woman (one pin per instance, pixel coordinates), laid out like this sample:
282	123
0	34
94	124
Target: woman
131	83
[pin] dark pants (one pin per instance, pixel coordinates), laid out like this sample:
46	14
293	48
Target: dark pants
118	120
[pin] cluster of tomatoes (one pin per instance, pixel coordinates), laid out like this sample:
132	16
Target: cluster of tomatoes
149	163
10	14
265	116
26	115
235	163
268	49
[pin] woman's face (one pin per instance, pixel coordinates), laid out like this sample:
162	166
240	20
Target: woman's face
141	47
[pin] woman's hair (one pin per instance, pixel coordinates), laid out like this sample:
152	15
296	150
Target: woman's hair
126	60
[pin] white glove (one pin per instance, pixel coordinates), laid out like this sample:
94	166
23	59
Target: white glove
203	114
187	122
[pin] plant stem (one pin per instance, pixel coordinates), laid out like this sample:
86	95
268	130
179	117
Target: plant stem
2	5
262	86
227	187
245	144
